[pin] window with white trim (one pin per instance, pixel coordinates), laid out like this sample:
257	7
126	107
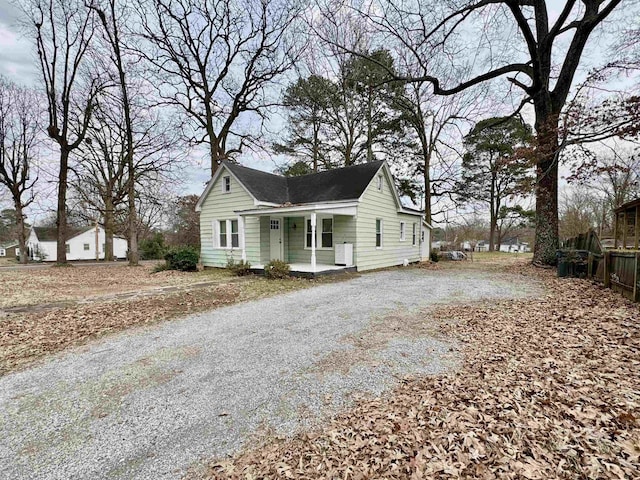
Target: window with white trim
226	234
415	232
402	235
226	184
378	233
380	182
86	247
68	248
324	232
235	236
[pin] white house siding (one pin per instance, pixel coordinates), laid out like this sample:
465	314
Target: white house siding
76	246
381	204
77	243
344	231
222	206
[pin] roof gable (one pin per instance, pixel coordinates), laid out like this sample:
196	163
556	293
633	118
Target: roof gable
340	184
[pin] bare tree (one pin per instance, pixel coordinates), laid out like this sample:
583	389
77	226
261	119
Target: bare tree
112	16
218	61
540	58
19	135
63	31
102	184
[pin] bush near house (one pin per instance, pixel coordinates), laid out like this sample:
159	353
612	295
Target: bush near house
184	259
434	255
240	268
276	269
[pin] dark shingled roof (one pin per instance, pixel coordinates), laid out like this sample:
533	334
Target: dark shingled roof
50	234
339	184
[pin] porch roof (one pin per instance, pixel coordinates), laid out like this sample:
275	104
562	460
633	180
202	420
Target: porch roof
337	208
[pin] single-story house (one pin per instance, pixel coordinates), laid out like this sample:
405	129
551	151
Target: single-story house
513	245
82	244
347	218
9	250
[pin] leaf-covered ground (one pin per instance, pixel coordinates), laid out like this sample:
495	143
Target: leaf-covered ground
549	388
28	336
54	284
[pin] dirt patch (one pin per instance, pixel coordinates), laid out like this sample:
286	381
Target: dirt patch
548	389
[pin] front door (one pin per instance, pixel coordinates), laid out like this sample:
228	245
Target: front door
275	238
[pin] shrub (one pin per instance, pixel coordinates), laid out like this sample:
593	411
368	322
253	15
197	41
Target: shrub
161	267
240	268
434	255
276	269
184	259
152	248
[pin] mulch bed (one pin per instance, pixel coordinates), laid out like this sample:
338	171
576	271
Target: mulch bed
549	388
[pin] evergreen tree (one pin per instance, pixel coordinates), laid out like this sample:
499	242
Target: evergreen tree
494	168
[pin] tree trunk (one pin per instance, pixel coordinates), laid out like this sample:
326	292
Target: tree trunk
61	218
22	236
370	125
133	217
493	220
108	230
427	186
546	240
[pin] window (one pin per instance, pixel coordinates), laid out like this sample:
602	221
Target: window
415	234
228	234
380	182
327	233
86	246
223	234
378	233
226	184
324	232
402	237
68	248
235	237
309	233
3	252
104	247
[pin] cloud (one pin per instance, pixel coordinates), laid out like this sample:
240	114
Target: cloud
17	53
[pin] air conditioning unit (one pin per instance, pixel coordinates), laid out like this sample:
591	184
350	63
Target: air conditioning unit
344	254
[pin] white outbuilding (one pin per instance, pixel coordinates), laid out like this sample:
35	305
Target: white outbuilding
82	244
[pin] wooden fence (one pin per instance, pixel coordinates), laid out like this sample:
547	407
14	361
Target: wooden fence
615	269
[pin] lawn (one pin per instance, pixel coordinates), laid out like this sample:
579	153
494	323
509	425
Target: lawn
52	309
38	286
548	389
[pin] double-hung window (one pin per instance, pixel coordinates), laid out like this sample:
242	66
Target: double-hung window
378	233
402	234
415	234
86	246
324	233
228	234
226	184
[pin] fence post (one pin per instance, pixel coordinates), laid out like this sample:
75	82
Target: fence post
590	265
635	278
607	266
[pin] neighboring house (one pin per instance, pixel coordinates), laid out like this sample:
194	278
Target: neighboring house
9	250
81	244
344	218
482	246
513	245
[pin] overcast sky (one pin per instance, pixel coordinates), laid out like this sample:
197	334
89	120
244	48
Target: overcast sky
19	63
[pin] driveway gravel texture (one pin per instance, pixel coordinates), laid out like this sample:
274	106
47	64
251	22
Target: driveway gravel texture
153	402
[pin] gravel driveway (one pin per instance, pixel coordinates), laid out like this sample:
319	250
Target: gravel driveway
152	402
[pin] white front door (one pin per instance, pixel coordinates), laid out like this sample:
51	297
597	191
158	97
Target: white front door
275	238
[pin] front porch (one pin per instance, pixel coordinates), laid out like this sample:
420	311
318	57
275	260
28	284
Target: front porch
306	270
313	240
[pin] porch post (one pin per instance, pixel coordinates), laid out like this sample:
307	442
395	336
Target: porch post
241	232
313	241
